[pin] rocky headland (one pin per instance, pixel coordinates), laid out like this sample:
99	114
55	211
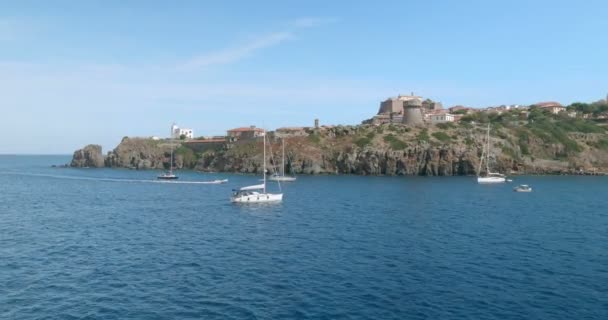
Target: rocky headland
541	146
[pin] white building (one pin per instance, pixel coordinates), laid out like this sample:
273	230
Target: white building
177	132
442	117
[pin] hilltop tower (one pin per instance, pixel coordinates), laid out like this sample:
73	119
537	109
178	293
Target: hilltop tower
412	112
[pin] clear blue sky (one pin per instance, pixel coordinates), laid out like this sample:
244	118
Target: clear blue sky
78	72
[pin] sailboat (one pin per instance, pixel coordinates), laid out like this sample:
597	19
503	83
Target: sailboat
489	176
169	175
256	193
282	176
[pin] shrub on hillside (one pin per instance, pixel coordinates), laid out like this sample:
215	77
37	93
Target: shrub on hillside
441	136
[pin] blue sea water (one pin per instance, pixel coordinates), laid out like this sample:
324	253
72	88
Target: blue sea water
113	244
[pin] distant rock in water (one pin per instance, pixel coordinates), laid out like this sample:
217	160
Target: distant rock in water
89	156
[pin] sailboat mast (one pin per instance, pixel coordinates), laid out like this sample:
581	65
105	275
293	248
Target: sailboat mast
171	161
488	152
264	160
283	163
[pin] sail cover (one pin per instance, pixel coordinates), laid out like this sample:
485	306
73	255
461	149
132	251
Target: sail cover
256	187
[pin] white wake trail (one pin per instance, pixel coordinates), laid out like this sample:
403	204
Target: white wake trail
56	176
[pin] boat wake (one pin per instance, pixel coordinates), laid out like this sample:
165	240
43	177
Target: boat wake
56	176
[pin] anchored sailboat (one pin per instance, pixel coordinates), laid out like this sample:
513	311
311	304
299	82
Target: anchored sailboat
488	176
282	176
256	193
169	175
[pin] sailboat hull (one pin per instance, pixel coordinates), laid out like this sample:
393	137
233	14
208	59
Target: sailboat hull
167	178
488	180
282	178
258	198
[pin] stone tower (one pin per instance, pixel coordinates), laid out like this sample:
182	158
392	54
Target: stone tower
412	112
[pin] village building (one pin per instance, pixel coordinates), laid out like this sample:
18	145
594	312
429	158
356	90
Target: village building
429	104
442	117
406	109
551	106
177	132
244	133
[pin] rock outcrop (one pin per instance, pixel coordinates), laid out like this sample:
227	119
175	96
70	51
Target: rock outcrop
89	156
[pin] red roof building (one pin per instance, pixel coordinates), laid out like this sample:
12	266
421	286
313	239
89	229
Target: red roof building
553	106
245	133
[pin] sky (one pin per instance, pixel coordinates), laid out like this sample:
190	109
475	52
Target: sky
80	72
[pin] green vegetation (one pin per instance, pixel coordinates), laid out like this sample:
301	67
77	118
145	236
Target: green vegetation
362	142
394	142
188	156
314	138
579	125
446	125
510	152
423	136
551	133
465	125
522	141
589	108
600	144
441	136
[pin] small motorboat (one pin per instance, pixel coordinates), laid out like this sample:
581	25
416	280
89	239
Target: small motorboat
218	181
523	188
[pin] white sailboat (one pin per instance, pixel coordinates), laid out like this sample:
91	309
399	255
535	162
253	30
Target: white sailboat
169	175
489	176
256	193
282	176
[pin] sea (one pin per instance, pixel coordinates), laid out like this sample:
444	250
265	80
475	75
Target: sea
118	244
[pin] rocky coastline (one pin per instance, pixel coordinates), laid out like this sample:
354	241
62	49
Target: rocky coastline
394	150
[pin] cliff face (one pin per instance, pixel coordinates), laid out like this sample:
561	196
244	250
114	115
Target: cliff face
400	150
373	160
381	150
140	153
89	156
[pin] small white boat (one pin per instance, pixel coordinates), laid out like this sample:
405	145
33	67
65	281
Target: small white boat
169	175
492	178
218	181
252	194
276	177
523	188
256	193
489	177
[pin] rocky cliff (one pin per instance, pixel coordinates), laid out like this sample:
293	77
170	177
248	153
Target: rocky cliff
89	156
389	150
142	153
